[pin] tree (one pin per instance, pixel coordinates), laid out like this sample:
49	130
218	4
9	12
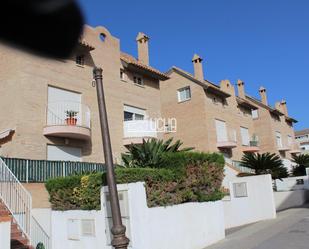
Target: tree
265	163
150	152
302	162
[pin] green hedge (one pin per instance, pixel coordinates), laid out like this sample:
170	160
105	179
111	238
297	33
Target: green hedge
184	177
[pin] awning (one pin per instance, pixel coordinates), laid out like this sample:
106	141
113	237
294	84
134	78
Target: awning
4	134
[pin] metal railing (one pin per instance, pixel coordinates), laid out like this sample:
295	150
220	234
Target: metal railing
238	165
38	235
27	170
16	198
139	128
254	143
56	114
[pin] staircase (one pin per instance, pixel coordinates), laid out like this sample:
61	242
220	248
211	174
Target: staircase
18	239
16	202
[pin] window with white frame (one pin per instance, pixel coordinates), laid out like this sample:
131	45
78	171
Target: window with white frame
245	138
290	140
133	113
184	94
278	139
138	80
255	114
221	131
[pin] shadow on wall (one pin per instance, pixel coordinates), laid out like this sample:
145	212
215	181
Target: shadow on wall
290	199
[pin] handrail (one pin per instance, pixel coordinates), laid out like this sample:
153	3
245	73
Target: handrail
38	235
16	198
19	203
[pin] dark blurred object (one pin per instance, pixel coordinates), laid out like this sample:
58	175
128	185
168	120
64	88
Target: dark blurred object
47	27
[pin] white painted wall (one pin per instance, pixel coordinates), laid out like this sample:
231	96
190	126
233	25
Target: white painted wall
258	205
5	234
290	199
43	216
290	183
185	226
68	236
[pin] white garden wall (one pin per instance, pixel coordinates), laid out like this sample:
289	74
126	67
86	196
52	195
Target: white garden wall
69	232
5	233
185	226
290	199
251	200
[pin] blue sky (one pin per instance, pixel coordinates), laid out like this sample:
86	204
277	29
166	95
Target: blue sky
262	42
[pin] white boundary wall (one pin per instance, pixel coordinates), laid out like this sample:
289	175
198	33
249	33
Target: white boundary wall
256	205
5	234
184	226
290	199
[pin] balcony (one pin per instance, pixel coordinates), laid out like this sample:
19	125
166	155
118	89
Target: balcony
283	148
252	147
68	120
227	140
134	131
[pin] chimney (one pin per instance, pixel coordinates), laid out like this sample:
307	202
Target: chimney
241	89
226	86
284	107
263	95
278	106
142	47
198	67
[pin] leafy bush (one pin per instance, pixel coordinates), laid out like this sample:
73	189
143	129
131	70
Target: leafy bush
265	163
149	153
196	177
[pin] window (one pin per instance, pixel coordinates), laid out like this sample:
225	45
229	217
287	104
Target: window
64	153
122	75
245	138
184	94
138	80
80	60
278	139
289	140
221	131
133	113
255	114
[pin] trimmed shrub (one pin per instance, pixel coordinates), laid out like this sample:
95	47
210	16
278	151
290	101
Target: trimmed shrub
185	177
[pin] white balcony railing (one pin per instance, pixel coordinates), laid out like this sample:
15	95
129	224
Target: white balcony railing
228	139
57	114
139	128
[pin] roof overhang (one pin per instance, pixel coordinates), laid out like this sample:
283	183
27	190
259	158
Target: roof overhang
208	87
245	103
292	120
6	135
143	70
85	45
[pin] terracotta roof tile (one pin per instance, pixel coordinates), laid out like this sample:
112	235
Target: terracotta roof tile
132	60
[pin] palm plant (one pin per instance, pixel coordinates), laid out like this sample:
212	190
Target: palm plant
265	163
150	152
302	162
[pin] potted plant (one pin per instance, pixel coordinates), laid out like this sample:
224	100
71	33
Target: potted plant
71	117
254	141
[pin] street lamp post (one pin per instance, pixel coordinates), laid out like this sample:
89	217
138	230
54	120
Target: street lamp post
119	241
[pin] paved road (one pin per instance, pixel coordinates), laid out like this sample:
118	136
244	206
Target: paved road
289	231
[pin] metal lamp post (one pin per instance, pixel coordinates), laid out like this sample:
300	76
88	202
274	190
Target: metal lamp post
119	241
